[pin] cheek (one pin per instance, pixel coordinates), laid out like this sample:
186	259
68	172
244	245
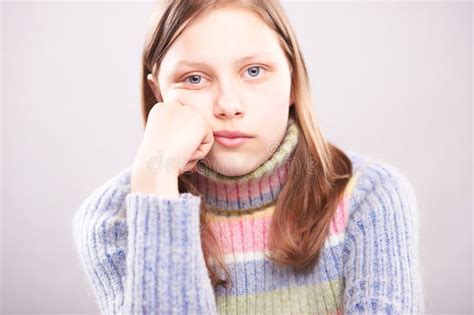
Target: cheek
273	98
274	104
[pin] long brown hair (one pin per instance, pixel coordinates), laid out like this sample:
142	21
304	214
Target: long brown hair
307	202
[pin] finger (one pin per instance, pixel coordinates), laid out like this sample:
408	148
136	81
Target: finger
201	152
190	166
197	155
207	142
204	149
205	145
209	137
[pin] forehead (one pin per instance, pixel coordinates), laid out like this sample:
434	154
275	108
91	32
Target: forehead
230	23
224	34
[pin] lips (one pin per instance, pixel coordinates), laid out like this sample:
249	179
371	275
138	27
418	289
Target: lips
231	139
231	134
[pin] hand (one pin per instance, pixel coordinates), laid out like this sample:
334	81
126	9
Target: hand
176	137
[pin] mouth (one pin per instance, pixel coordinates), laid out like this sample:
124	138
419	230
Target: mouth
233	142
231	138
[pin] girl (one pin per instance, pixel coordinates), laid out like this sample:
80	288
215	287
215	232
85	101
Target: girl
235	202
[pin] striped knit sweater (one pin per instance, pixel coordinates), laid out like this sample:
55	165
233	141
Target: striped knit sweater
142	252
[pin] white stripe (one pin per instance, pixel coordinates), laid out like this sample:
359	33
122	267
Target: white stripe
239	257
334	240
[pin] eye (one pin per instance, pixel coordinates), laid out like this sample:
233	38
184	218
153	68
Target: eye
193	79
254	70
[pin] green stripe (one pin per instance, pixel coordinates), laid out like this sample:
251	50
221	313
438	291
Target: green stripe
322	298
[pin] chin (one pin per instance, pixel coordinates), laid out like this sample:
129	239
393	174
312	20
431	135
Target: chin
232	163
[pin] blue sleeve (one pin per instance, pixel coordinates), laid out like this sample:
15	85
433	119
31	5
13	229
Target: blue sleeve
142	252
380	254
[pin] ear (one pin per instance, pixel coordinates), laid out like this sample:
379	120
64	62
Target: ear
154	87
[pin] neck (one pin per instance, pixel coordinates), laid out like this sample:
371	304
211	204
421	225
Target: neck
250	192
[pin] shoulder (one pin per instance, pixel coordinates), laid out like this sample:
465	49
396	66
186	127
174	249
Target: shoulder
381	230
378	184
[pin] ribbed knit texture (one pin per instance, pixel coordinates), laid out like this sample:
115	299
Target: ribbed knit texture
142	252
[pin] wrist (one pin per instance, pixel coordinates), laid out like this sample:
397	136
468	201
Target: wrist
164	184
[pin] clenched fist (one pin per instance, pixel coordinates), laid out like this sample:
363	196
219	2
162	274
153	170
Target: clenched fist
176	137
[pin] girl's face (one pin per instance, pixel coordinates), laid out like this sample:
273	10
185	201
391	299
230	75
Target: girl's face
229	66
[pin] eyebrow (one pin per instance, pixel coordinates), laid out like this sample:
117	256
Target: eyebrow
240	60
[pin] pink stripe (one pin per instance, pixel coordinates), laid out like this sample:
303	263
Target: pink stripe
271	184
249	235
226	194
216	189
265	186
279	178
339	221
231	193
237	191
252	233
254	189
242	236
220	191
337	312
249	193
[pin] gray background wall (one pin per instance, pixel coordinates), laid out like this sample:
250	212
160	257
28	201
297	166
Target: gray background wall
390	79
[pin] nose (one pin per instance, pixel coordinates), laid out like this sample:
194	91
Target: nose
228	104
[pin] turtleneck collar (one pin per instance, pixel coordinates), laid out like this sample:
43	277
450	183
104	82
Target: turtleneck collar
233	195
